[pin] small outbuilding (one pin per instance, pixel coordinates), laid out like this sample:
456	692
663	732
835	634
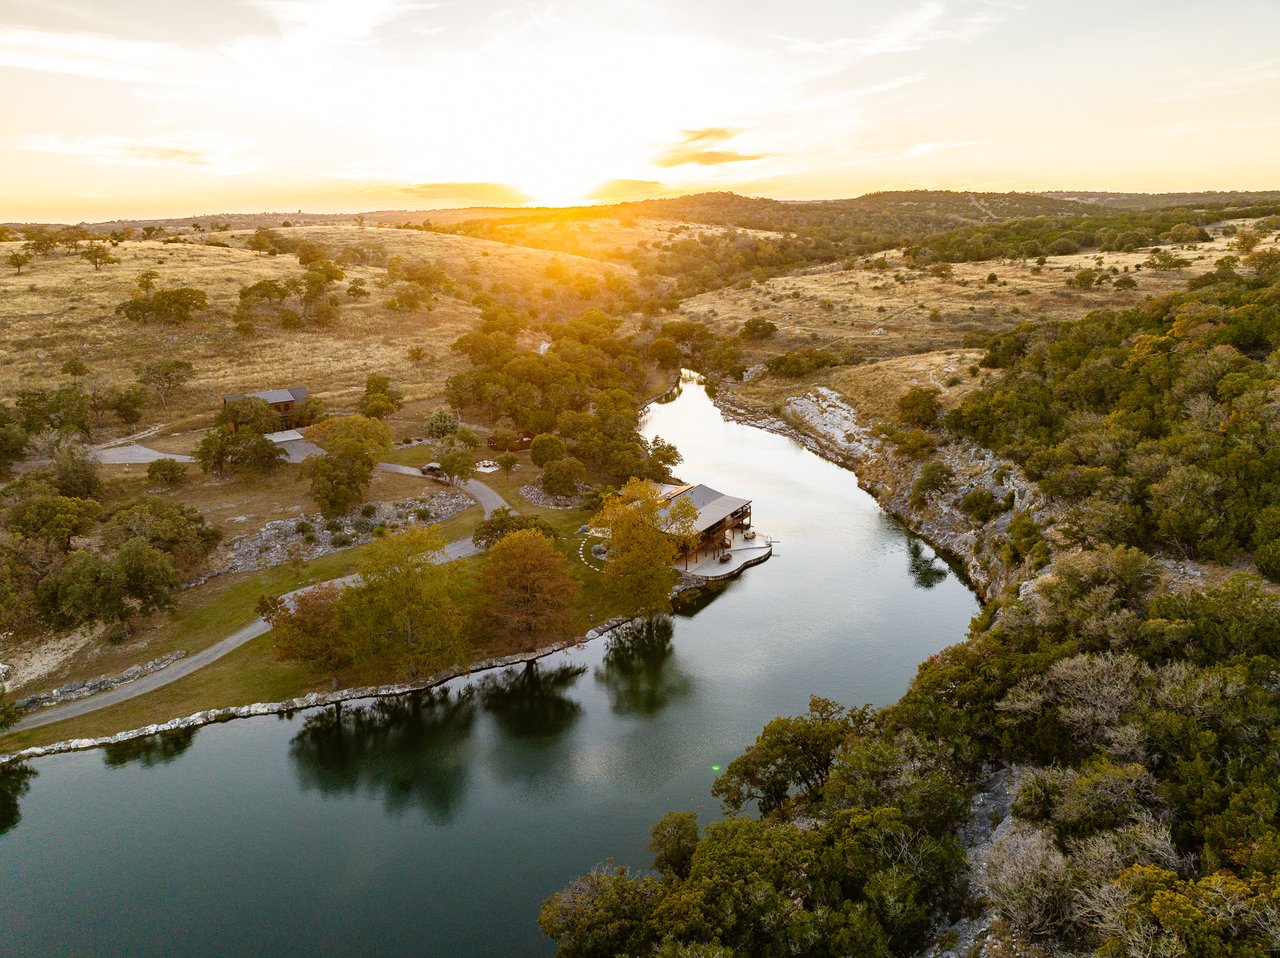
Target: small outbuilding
282	401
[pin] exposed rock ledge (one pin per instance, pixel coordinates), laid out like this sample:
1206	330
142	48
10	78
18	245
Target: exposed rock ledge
313	699
80	690
823	422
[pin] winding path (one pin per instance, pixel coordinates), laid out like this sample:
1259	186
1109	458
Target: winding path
458	549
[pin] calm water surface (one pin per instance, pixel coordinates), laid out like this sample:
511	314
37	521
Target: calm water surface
437	825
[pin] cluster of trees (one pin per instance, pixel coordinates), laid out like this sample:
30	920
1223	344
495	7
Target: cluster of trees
306	298
171	306
340	478
411	614
1109	231
239	440
644	535
72	411
65	560
1155	426
581	389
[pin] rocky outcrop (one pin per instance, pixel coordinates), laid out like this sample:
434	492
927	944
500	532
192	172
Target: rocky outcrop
989	818
80	690
823	422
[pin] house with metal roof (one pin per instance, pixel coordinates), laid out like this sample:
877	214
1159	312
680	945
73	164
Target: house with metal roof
719	517
283	401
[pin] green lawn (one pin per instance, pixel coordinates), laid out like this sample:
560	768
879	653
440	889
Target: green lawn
252	673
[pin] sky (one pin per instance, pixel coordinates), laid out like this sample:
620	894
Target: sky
157	108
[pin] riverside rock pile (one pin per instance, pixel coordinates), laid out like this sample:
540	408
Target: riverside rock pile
314	536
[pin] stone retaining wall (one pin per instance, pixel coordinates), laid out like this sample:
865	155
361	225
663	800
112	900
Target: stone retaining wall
80	690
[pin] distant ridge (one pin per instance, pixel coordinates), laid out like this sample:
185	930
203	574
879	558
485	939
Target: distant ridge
909	210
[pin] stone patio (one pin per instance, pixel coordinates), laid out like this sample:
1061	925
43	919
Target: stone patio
743	553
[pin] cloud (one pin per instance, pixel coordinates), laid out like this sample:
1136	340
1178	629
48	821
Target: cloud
937	146
93	55
1243	76
335	21
918	27
488	194
620	191
693	149
213	153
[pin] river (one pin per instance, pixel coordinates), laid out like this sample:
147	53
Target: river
436	825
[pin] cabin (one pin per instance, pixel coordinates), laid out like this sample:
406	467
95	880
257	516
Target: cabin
719	516
283	401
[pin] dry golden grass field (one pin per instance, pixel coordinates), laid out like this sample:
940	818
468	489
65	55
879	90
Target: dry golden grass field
910	326
60	307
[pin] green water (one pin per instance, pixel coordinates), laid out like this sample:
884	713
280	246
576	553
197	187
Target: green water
436	825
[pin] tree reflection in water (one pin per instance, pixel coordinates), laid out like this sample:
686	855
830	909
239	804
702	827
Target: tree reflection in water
411	750
159	749
638	669
532	707
531	702
926	571
15	781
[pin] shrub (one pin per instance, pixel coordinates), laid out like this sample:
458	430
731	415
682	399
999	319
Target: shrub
340	540
801	362
980	505
935	476
1267	559
919	406
561	477
167	472
758	328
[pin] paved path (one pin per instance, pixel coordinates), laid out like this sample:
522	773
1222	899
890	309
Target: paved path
458	549
133	454
477	490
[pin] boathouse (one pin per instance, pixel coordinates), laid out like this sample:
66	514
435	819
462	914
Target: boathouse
719	518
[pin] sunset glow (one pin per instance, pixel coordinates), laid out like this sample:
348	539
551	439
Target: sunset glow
147	108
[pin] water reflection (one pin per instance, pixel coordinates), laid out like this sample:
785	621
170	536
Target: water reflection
412	750
925	570
692	601
159	749
531	702
531	705
15	781
638	668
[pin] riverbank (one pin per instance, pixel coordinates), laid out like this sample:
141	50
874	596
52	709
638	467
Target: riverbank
315	699
828	426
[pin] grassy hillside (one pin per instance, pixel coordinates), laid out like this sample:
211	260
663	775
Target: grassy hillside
60	307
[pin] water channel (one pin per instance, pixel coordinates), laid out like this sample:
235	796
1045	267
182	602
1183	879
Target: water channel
436	825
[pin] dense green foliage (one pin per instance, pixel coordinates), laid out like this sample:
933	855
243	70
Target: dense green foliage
1144	718
1147	719
1029	238
1156	426
580	395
